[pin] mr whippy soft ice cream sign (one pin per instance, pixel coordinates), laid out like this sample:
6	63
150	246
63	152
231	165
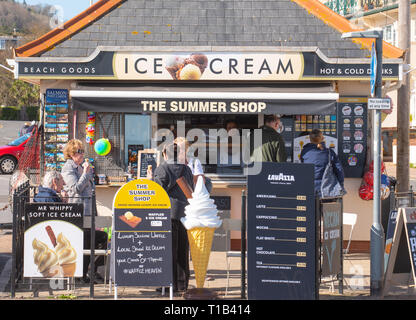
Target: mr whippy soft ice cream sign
53	240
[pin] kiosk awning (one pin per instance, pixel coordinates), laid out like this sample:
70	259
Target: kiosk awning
217	99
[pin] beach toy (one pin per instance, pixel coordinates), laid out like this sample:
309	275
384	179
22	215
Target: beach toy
90	128
102	147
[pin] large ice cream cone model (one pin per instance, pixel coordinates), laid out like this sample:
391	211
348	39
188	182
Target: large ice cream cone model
200	242
200	220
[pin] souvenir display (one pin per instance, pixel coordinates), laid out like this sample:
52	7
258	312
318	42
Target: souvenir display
56	127
90	129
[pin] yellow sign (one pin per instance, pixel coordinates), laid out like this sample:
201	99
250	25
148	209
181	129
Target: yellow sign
141	194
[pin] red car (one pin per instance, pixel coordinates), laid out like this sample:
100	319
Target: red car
10	154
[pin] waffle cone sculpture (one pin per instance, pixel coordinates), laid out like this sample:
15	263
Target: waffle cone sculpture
200	242
200	221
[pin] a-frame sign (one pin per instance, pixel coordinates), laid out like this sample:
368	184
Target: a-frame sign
406	218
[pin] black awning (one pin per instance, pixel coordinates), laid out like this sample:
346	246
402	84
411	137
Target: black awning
228	99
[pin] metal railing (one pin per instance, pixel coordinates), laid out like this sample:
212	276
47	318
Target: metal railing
349	7
23	194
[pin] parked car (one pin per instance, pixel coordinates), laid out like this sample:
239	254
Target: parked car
10	154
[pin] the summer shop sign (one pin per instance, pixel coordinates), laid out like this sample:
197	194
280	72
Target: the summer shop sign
209	66
142	240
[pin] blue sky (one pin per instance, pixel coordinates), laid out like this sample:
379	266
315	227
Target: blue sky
70	7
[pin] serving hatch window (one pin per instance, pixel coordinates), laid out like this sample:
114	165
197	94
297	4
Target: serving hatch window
213	161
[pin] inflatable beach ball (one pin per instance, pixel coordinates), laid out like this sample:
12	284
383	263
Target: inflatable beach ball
102	147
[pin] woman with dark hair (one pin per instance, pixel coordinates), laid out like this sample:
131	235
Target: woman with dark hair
167	175
316	153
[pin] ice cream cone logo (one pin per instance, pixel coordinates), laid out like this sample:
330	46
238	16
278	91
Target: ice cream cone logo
190	68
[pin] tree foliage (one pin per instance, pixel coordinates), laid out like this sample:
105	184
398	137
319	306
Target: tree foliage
28	23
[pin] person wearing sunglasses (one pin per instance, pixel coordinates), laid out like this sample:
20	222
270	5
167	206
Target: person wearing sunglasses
79	184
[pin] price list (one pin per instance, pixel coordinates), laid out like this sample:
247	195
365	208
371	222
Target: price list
281	232
352	122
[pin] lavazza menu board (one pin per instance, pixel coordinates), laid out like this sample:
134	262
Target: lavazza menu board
281	233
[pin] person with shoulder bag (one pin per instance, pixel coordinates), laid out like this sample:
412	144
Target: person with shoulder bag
329	174
168	174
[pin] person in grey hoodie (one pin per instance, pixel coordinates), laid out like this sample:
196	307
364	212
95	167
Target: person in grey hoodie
79	184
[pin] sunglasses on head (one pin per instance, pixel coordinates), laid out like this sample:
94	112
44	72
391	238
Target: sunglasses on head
80	151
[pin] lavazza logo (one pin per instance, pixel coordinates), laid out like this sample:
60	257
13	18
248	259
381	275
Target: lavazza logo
280	177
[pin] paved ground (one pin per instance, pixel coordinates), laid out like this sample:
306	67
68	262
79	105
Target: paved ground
356	274
356	282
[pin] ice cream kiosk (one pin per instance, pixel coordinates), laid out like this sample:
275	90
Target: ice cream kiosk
132	91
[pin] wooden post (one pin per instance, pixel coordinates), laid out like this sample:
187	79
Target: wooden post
403	101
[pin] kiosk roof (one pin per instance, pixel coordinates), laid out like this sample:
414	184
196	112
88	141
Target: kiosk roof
296	23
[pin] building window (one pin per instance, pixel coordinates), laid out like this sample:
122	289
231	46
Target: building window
390	34
2	44
413	30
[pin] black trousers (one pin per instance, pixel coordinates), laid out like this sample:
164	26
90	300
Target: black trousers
180	255
101	239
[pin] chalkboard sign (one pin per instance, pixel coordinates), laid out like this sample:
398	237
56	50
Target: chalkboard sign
331	238
352	135
281	232
142	238
147	157
406	219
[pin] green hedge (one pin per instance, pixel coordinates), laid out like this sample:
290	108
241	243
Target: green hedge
33	113
13	113
10	113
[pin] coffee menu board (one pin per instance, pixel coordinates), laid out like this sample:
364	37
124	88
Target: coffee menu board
142	237
146	158
281	233
352	123
56	127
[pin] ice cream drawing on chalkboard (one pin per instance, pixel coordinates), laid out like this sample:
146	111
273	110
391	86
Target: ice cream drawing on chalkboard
130	219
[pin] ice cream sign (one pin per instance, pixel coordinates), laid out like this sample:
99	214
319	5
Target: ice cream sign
53	246
208	66
193	64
